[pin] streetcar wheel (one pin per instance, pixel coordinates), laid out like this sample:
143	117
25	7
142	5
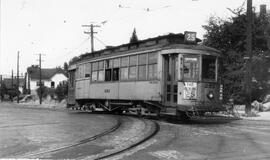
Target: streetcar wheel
181	115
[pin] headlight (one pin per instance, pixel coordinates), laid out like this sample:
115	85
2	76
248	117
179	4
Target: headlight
210	95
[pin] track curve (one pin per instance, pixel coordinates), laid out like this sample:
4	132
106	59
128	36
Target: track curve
86	140
154	130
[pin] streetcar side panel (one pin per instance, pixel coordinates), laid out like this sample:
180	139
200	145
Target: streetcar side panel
140	90
104	91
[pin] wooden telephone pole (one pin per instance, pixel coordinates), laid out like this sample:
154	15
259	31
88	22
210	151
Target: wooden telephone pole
40	77
91	34
18	79
249	57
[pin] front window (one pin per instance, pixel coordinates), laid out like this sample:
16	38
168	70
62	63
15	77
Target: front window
191	68
208	67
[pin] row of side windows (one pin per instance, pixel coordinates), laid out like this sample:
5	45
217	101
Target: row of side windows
134	67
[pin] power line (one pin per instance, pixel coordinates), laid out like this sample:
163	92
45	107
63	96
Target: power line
77	47
100	41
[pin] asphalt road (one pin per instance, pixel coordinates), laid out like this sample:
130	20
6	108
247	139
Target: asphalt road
26	130
209	140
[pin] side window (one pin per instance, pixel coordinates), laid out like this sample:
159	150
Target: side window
108	69
87	69
132	74
116	65
94	71
101	71
124	68
152	65
142	63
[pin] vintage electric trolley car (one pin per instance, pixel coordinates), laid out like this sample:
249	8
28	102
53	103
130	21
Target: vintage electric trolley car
170	74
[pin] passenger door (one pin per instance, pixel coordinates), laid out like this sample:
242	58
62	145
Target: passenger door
170	79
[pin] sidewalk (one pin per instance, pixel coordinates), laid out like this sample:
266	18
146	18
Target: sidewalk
240	109
35	104
265	116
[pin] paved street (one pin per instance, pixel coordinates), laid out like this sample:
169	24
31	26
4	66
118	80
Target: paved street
24	131
236	140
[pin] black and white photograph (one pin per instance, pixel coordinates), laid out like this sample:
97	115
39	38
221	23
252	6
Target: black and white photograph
135	79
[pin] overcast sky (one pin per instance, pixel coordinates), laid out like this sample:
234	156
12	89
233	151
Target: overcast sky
54	27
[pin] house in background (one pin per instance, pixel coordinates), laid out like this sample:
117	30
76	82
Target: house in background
50	77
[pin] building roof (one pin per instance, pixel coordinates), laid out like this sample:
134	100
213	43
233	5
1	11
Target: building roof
46	73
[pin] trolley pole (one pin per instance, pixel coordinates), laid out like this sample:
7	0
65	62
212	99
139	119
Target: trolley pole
249	57
91	34
18	79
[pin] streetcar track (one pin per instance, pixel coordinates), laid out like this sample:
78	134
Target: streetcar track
81	142
28	125
155	130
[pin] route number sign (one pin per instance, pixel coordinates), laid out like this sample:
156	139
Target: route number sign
190	37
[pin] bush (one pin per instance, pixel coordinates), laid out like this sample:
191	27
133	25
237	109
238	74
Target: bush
61	91
44	91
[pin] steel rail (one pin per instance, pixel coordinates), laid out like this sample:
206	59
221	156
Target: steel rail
112	129
155	130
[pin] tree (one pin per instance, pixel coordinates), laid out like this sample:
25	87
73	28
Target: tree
65	66
74	60
229	35
44	90
134	37
3	91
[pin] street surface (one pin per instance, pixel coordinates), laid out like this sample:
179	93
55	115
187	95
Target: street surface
26	131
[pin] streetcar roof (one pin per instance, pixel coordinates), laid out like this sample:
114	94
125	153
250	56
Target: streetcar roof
156	43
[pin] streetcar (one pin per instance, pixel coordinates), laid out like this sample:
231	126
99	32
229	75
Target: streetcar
171	74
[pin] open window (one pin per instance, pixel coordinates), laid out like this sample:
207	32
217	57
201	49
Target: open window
112	67
108	70
116	65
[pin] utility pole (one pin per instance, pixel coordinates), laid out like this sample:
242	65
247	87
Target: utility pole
1	80
40	88
11	84
40	76
12	78
18	79
91	34
249	58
